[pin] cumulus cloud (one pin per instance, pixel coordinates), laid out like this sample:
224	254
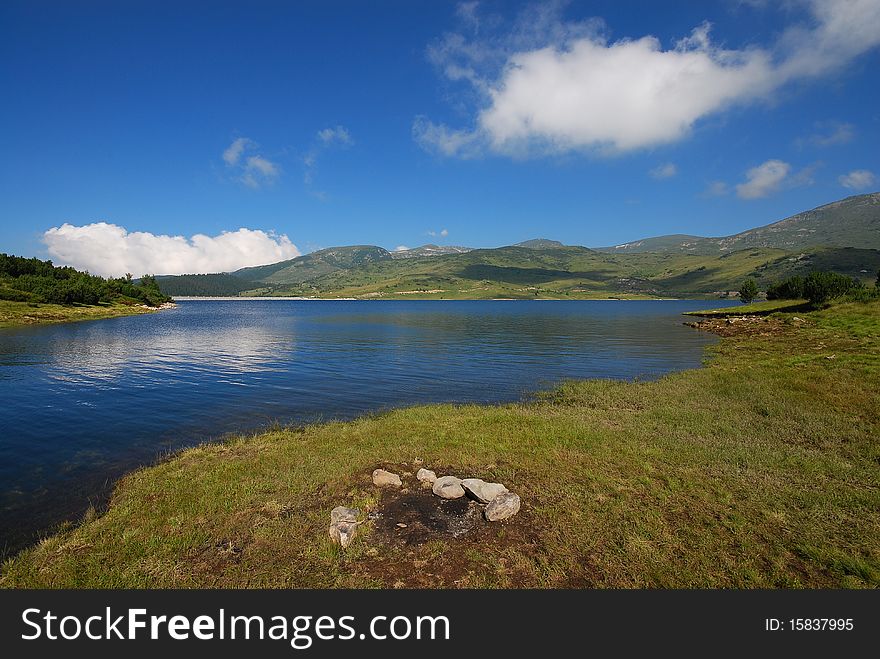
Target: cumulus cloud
401	248
666	170
763	180
442	233
248	166
548	86
110	250
858	179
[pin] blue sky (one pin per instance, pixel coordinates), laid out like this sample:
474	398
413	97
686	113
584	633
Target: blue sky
382	123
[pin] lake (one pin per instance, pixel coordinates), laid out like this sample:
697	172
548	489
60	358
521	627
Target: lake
85	402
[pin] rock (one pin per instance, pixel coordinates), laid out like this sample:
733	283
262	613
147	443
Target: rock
343	525
343	514
426	475
504	506
448	487
342	533
481	490
382	478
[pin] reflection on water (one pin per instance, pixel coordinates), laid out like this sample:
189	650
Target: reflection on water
84	402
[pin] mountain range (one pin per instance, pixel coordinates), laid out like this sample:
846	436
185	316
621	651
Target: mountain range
843	236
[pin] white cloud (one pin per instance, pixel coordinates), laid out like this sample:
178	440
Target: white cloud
666	170
829	133
110	250
401	248
258	171
233	152
443	140
442	233
253	170
763	180
338	135
858	179
716	189
547	86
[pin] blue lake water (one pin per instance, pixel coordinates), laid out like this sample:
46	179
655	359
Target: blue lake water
85	402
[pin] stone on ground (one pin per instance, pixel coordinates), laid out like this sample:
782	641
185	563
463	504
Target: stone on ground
382	478
448	487
504	506
481	490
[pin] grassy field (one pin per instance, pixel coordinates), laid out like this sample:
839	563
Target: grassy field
759	470
14	314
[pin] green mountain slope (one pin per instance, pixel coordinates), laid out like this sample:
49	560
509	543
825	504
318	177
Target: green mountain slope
316	264
518	272
850	222
668	266
540	243
207	285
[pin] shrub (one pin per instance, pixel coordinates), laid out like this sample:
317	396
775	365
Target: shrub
748	291
819	287
13	295
788	289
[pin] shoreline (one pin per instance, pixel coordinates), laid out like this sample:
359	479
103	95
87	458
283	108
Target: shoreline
23	314
649	465
231	298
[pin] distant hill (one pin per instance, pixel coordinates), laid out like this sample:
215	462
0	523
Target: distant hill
208	285
316	264
429	250
666	266
540	243
850	222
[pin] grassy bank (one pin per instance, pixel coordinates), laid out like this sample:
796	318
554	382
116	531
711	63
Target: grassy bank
13	314
759	470
764	307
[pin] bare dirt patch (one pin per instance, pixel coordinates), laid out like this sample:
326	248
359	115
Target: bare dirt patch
743	326
415	539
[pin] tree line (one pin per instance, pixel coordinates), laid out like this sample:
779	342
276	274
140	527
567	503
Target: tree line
818	287
33	280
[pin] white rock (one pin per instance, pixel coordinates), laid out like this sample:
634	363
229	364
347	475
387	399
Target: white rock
343	525
448	487
426	475
383	478
504	506
484	492
342	533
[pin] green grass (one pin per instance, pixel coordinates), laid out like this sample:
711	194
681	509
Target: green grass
16	314
755	308
759	470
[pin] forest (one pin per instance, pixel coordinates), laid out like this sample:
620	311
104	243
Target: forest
36	281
